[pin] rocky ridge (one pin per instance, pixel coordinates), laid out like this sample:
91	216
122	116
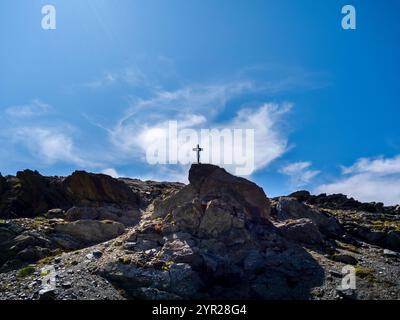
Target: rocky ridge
217	237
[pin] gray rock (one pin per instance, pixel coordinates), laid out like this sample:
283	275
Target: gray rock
254	262
301	230
209	180
180	251
154	294
188	216
373	236
392	240
131	277
91	232
55	214
345	258
346	294
6	232
82	213
33	253
390	253
291	208
97	254
66	241
66	285
184	281
217	220
47	294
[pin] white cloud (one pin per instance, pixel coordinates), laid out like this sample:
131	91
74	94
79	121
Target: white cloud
300	173
197	107
378	165
50	145
270	141
190	106
368	180
194	106
35	108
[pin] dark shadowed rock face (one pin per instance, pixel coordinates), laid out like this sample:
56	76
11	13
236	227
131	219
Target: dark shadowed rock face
211	182
337	201
3	184
29	194
84	188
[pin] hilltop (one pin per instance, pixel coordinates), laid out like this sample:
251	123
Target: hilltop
90	236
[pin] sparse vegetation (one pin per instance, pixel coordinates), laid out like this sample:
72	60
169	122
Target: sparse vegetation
124	260
45	273
167	265
386	225
26	271
347	246
46	261
40	221
366	274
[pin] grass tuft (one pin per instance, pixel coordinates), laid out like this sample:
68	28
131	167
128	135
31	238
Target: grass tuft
26	271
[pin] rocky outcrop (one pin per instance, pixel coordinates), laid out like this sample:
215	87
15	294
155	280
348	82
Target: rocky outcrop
29	194
19	246
88	189
210	181
128	217
291	208
212	238
337	201
90	231
301	230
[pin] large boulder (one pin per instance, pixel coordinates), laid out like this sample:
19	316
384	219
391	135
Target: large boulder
91	231
127	217
215	205
211	181
87	188
301	230
291	208
213	239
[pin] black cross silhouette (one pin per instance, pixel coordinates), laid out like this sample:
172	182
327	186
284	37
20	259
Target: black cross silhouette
198	150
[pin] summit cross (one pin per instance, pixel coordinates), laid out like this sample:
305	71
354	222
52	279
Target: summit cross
198	150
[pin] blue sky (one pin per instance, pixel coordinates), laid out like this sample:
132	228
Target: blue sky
324	101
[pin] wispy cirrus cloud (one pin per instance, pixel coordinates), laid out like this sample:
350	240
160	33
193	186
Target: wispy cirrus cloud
34	128
141	73
32	109
369	179
198	107
157	95
50	145
300	173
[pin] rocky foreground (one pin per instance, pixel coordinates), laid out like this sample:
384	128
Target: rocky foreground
89	236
